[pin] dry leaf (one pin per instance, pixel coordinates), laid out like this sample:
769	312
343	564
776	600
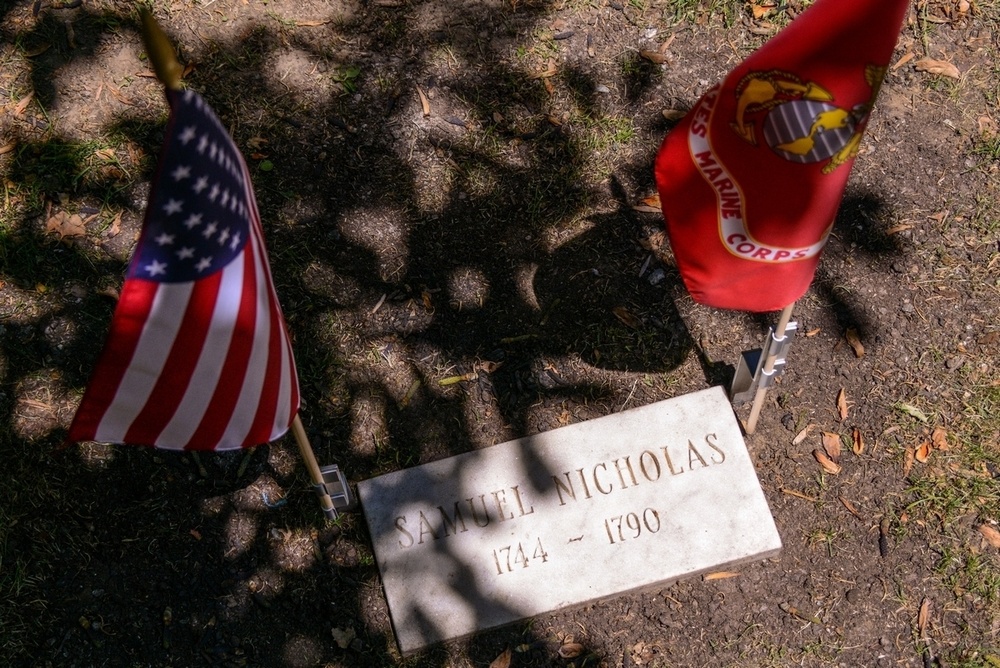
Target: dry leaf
907	461
673	114
792	492
310	24
37	51
991	535
571	650
828	464
653	56
939	438
813	332
801	436
7	148
66	225
896	229
912	411
502	661
719	575
626	317
649	204
115	228
939	67
832	445
852	338
652	200
850	507
842	404
23	104
451	380
760	11
343	637
858	444
925	611
424	102
923	452
549	71
907	57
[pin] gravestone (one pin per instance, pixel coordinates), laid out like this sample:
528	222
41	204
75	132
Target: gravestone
625	502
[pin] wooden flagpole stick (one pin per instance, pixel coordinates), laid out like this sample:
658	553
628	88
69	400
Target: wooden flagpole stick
305	449
758	400
161	52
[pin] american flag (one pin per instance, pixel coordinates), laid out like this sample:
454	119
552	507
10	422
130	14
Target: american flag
198	356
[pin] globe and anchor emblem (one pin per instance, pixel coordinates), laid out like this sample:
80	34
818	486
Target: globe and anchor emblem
800	121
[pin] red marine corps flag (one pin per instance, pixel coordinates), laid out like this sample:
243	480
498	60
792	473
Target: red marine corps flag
751	179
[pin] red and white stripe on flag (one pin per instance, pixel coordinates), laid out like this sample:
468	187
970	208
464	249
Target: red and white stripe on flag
198	356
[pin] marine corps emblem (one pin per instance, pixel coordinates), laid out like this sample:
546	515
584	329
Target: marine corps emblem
799	120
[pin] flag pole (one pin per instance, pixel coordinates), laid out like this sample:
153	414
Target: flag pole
161	52
305	449
772	355
169	71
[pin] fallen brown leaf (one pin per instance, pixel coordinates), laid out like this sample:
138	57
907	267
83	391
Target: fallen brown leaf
626	317
23	104
343	637
850	507
652	200
907	57
922	616
653	56
858	441
856	346
923	452
939	438
896	229
832	445
842	404
991	535
907	461
792	492
550	71
115	228
940	67
719	575
761	10
37	50
7	148
425	104
66	225
571	650
813	332
502	661
828	464
673	114
801	436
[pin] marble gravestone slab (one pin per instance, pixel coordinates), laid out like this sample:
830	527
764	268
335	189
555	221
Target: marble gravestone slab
632	500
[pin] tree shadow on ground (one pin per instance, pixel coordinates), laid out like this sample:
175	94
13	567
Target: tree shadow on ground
406	249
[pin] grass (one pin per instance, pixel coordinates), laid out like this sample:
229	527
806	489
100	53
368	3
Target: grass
960	493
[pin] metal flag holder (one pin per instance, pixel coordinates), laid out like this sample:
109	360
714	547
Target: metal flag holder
759	368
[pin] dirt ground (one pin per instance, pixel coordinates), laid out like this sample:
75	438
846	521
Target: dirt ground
449	188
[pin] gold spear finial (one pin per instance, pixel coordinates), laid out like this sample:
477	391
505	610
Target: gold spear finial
160	52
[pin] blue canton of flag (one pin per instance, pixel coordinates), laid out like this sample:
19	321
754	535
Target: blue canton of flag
199	218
